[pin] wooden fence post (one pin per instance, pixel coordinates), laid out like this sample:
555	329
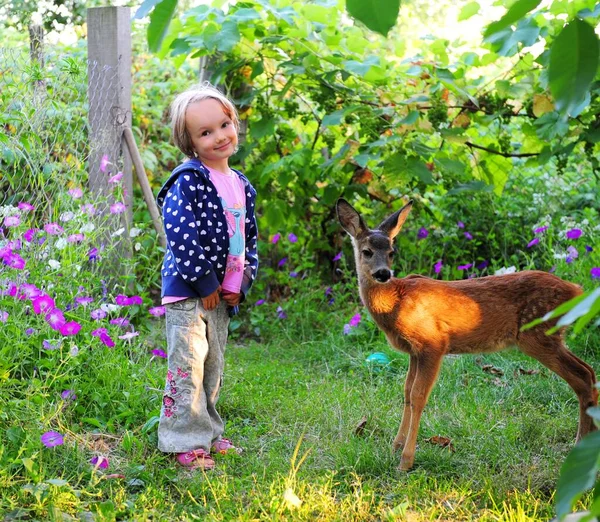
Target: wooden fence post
109	95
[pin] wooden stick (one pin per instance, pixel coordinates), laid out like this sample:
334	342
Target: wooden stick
145	184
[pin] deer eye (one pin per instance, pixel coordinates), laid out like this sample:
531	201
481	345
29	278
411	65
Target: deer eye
367	253
391	254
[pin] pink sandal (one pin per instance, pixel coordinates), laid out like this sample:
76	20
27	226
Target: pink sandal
196	459
224	446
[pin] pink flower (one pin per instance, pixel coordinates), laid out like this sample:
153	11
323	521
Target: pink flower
539	230
3	316
157	311
123	300
104	163
70	328
14	260
51	439
438	267
465	267
118	208
29	291
28	234
120	321
75	193
159	353
12	221
99	462
97	314
84	300
533	242
355	320
43	304
88	209
25	206
76	238
56	319
53	229
129	335
116	178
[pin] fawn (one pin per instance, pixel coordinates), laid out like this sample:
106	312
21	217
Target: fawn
428	319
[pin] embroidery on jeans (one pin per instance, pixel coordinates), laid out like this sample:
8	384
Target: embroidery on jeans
172	393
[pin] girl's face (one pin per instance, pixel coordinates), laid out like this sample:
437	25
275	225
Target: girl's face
212	132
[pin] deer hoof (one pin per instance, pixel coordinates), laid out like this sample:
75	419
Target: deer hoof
406	463
398	445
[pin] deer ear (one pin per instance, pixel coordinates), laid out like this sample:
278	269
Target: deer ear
393	224
349	219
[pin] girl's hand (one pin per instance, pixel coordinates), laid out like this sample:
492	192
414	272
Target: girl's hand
230	298
211	301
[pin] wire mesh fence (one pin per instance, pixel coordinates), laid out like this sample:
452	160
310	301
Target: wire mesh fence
47	137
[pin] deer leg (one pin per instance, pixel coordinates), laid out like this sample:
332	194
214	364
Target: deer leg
428	367
400	439
552	353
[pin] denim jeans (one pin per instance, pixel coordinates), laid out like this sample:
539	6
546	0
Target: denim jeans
196	347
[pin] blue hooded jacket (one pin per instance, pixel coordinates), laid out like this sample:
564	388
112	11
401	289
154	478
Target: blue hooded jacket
196	230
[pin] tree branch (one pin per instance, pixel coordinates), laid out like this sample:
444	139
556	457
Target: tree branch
505	154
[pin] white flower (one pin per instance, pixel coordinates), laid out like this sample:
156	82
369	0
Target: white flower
504	270
77	269
88	227
135	232
118	232
560	256
74	351
54	264
138	247
107	307
66	216
61	243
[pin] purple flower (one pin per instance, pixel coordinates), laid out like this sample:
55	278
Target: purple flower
84	301
293	274
118	208
76	238
51	439
123	300
98	314
99	462
47	345
468	236
568	259
465	267
574	233
104	163
106	340
3	316
276	238
88	209
30	331
159	353
56	319
539	230
23	205
28	234
157	311
259	302
120	321
422	233
281	313
12	221
292	237
460	224
75	193
438	267
54	229
588	248
116	178
282	262
338	256
355	320
347	329
29	291
595	272
70	328
42	304
92	254
68	395
533	242
14	260
572	252
483	264
328	291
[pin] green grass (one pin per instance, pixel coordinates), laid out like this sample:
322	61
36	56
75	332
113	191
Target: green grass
294	407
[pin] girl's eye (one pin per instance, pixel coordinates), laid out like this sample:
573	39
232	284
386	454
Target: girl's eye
367	253
226	124
205	133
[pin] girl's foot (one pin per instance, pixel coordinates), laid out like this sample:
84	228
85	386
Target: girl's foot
224	446
196	459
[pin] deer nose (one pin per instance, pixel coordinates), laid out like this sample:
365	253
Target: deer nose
382	275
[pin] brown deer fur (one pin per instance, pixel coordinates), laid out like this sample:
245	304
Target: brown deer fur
428	319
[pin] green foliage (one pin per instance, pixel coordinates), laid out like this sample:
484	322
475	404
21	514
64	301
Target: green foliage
376	15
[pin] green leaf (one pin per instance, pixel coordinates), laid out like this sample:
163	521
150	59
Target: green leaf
578	472
516	11
159	23
505	42
573	65
468	10
560	310
581	309
472	186
550	126
261	128
57	482
145	8
378	15
229	36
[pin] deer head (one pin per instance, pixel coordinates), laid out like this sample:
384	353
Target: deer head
373	249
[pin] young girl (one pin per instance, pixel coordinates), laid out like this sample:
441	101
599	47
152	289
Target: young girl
209	266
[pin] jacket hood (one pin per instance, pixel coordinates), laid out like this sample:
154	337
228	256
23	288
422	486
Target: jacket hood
194	165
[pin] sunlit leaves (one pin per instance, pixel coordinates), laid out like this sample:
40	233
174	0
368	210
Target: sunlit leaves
160	18
515	13
468	10
378	15
573	65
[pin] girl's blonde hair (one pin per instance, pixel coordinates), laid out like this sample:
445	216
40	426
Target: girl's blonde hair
179	107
